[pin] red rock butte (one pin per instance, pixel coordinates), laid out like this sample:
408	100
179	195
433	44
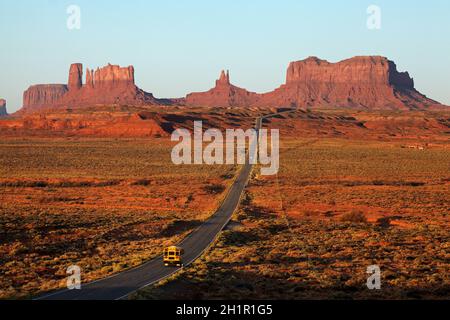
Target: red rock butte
105	86
368	82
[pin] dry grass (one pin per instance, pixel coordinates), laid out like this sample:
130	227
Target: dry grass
337	207
348	195
105	205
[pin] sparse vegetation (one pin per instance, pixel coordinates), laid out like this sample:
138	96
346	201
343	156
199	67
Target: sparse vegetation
214	188
336	207
354	217
142	182
346	197
85	202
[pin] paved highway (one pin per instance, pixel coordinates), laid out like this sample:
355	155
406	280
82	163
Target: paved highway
121	285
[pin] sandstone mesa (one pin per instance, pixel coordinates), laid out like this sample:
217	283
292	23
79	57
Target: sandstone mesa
367	82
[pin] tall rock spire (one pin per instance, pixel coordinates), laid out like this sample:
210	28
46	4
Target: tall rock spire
89	78
75	76
224	78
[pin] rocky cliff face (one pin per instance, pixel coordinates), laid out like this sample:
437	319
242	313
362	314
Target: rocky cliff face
224	94
43	95
113	76
3	108
108	85
367	82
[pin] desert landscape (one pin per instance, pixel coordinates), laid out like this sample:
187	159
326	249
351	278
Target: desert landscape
349	194
86	178
107	204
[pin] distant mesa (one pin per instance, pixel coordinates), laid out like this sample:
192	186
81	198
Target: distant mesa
370	82
109	85
3	108
365	82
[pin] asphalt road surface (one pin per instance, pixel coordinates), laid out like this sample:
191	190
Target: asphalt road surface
121	285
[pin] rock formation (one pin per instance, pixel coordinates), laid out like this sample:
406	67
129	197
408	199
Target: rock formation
224	79
224	94
108	85
369	82
113	76
89	78
3	108
43	95
362	82
75	77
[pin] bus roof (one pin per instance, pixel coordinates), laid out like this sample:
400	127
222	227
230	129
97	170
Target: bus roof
173	248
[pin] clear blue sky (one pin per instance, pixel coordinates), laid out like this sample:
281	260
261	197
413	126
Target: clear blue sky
179	46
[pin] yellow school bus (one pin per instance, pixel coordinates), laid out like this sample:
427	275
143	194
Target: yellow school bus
173	256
